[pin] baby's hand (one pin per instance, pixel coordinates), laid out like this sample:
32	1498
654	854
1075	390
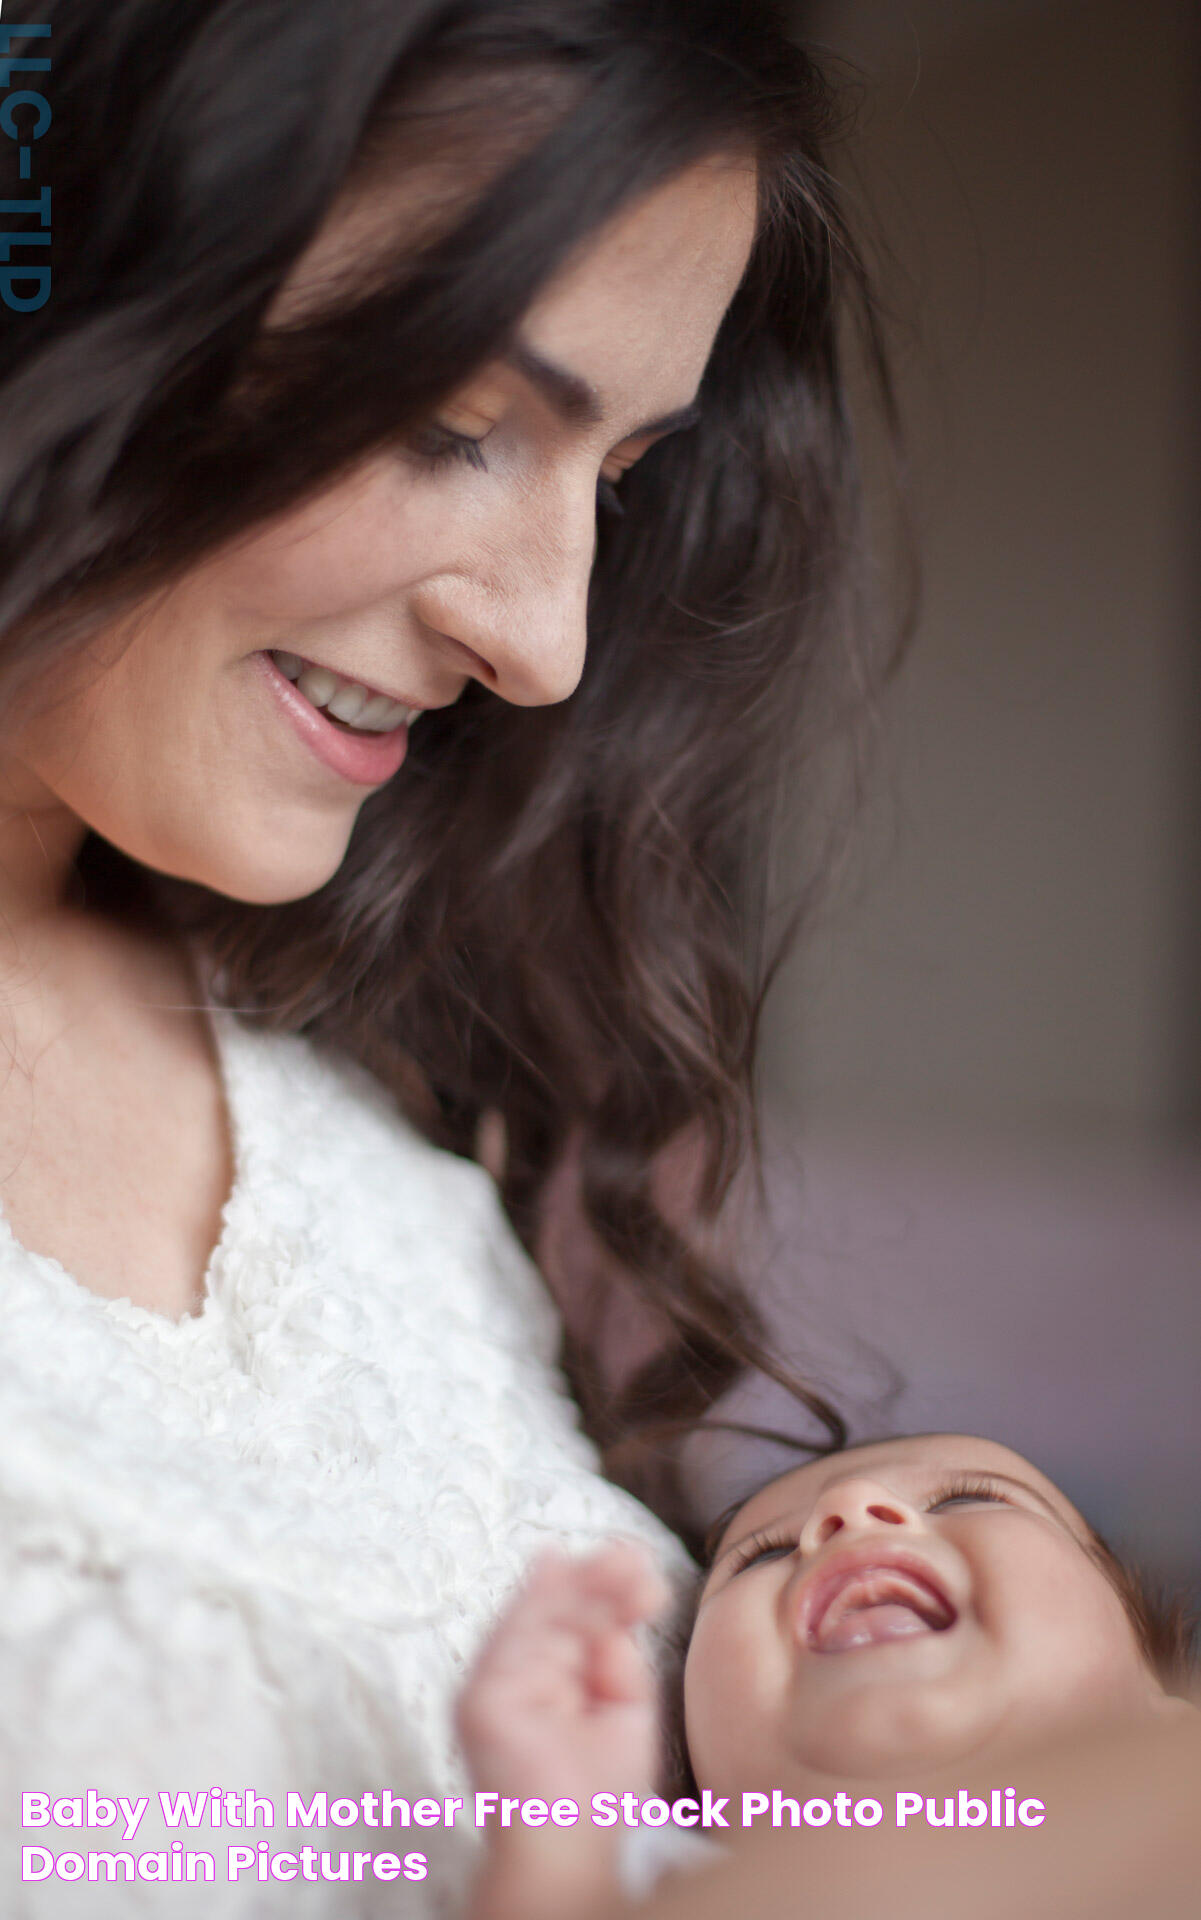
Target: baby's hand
561	1703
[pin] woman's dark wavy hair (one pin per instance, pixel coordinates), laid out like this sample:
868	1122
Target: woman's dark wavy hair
552	915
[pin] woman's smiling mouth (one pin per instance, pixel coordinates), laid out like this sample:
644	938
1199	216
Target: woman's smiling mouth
315	701
346	701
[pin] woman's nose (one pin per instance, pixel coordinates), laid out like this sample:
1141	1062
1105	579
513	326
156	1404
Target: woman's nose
516	618
855	1506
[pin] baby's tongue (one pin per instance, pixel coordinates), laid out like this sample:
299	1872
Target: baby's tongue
868	1626
877	1606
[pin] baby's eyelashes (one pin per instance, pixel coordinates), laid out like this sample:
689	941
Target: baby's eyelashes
966	1491
759	1549
962	1491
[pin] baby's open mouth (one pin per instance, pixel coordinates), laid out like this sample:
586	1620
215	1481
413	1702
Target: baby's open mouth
868	1605
355	708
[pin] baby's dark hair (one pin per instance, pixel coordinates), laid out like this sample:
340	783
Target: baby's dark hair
1164	1620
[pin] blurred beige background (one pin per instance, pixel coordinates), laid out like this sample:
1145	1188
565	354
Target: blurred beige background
1015	948
985	1066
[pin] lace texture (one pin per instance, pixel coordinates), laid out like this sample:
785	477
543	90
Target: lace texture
258	1548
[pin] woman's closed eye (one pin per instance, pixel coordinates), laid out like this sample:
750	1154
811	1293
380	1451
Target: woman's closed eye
436	444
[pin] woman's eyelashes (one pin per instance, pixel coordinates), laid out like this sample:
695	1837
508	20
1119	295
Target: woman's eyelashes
436	444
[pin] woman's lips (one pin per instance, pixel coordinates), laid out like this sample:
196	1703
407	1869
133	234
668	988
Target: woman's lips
363	759
869	1599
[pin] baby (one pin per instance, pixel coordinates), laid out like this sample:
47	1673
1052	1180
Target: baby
882	1612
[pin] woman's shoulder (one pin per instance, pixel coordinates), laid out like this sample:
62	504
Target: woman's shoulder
326	1116
289	1088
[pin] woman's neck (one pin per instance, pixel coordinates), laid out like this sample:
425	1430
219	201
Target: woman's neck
39	841
115	1151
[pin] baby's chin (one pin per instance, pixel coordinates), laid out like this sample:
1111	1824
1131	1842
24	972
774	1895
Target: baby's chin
872	1738
883	1732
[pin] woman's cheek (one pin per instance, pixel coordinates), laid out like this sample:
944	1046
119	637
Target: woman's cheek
358	546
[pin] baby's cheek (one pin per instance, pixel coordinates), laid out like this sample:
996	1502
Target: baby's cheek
1110	1668
1077	1656
732	1677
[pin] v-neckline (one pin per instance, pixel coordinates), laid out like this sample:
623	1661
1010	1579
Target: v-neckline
225	1036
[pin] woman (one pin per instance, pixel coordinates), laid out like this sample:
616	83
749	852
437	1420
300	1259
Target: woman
354	310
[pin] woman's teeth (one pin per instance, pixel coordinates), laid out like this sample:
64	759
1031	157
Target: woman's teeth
345	700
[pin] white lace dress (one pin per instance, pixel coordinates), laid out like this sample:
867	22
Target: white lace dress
255	1549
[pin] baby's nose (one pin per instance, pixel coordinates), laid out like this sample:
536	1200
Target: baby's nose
856	1504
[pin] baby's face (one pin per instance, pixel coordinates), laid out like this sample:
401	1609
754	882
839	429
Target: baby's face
912	1602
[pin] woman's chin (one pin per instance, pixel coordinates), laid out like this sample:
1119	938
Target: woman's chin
263	875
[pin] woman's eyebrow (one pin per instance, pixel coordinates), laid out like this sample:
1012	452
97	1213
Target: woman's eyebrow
578	402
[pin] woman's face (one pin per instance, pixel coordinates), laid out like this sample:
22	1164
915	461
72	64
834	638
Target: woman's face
185	736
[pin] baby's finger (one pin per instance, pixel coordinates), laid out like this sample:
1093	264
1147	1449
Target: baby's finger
549	1625
617	1582
549	1596
618	1671
622	1576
